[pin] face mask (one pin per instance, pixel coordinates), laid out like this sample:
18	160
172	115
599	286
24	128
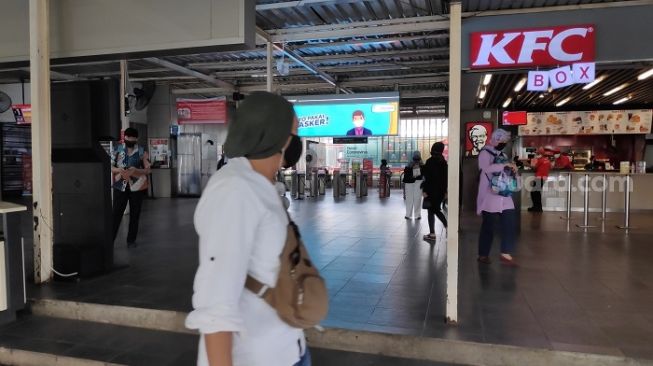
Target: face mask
130	144
501	146
293	152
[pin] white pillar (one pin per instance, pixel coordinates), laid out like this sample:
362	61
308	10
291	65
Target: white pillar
455	47
41	138
270	58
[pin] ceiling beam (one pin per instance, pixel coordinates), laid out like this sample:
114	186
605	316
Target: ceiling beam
294	4
186	71
406	94
301	61
616	4
362	56
360	29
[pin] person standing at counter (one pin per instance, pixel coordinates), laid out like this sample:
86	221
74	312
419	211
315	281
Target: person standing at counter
412	183
542	165
435	187
493	206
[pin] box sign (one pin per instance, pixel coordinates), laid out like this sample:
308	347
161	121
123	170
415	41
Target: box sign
514	118
633	121
519	48
201	111
347	116
22	113
561	77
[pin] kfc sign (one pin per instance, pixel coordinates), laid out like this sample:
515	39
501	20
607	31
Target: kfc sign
532	47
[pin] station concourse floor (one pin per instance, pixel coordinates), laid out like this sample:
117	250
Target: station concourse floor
575	290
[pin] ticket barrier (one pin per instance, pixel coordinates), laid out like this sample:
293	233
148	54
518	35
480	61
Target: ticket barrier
361	184
313	189
321	182
339	186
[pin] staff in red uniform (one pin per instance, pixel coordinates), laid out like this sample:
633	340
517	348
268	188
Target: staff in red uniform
562	161
542	165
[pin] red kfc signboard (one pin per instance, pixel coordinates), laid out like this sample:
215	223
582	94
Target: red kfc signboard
202	111
532	47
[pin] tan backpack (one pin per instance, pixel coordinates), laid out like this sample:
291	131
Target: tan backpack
300	296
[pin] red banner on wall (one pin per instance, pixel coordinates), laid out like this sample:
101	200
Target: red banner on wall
202	111
549	46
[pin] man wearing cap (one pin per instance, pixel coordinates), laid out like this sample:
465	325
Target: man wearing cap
542	165
242	226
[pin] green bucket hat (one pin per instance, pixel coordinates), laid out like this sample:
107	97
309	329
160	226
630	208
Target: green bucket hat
261	126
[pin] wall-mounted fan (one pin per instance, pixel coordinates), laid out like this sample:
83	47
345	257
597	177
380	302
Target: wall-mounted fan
140	94
5	102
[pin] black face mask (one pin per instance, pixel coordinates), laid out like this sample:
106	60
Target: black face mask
501	146
293	152
130	144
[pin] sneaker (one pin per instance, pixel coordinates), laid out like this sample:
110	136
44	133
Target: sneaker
406	217
429	237
418	218
510	262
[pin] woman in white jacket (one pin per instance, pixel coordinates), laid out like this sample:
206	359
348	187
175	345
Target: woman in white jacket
241	223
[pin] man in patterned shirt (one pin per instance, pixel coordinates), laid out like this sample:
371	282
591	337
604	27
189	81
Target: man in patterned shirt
130	167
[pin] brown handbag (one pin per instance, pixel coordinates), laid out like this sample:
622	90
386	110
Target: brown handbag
300	296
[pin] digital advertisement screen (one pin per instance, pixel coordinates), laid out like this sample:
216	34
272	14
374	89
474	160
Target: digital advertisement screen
374	114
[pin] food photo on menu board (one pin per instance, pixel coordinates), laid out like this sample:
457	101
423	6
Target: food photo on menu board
588	122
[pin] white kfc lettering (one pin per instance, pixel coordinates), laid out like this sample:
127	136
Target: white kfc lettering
498	50
494	45
531	44
555	47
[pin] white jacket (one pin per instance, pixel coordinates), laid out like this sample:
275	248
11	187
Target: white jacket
242	226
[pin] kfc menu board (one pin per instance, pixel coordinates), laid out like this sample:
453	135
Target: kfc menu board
588	123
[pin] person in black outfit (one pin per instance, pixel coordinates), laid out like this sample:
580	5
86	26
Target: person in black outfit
435	187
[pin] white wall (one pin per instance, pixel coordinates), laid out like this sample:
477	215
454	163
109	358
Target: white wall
101	27
15	93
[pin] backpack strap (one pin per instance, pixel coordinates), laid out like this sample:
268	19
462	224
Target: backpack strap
256	287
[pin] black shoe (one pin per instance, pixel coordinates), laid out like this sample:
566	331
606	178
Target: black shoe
484	260
535	209
406	217
131	244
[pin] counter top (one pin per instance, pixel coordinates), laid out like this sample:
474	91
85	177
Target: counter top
7	207
591	172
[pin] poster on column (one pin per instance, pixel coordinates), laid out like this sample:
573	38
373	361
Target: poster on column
159	149
373	114
202	111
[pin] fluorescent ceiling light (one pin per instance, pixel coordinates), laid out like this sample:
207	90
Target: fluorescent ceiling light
645	74
625	99
609	93
596	81
507	103
486	79
563	102
481	95
520	85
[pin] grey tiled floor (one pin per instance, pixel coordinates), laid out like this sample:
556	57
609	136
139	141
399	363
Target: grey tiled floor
575	290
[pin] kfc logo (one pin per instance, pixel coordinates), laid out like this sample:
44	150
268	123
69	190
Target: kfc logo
532	47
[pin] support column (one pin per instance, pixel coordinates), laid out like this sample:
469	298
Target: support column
39	29
124	91
270	74
455	48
